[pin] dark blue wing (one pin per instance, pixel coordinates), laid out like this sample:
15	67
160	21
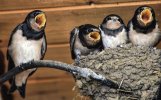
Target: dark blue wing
73	35
43	47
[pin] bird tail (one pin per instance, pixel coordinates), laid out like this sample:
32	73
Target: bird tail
21	89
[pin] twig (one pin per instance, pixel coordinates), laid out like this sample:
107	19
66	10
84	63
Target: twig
83	72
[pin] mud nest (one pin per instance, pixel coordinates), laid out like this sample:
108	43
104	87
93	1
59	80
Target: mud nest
137	69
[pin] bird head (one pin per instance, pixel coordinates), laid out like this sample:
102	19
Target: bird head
112	22
36	20
145	15
90	33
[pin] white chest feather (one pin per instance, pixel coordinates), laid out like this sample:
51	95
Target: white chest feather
142	39
111	41
23	50
79	48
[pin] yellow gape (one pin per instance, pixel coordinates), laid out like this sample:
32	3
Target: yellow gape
40	20
95	36
146	16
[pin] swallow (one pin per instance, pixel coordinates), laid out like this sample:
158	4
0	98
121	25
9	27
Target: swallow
27	42
84	39
113	31
143	29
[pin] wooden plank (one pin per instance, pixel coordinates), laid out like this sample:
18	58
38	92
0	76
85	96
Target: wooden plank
59	52
62	21
48	73
117	1
37	4
59	89
56	88
64	95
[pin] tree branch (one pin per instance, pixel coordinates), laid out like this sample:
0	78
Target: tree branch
83	72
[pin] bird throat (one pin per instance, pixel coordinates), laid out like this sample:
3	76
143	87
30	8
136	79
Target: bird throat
113	25
111	32
141	28
30	33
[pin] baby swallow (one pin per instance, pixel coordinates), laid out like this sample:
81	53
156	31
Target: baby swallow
84	39
143	29
113	31
27	42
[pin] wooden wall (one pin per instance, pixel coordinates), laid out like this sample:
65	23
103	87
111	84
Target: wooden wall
62	17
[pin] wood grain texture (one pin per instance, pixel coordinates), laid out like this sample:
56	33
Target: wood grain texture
57	89
116	1
61	21
34	4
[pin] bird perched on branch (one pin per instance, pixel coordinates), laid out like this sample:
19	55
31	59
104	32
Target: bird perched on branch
143	28
84	39
113	31
27	42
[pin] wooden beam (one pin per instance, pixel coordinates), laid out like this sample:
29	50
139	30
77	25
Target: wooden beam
34	4
57	90
60	21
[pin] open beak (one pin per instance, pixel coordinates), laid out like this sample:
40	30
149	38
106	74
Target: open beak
146	16
40	19
95	36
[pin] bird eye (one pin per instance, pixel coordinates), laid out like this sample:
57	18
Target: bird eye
109	18
140	10
89	30
35	14
119	20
